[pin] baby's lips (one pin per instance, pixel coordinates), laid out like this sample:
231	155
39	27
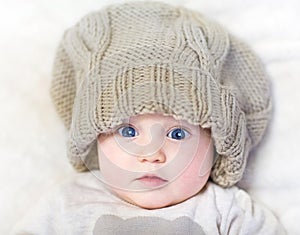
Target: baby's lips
151	180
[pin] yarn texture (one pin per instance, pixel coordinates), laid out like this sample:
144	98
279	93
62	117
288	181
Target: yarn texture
138	58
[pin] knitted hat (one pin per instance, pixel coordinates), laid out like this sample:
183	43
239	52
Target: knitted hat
138	58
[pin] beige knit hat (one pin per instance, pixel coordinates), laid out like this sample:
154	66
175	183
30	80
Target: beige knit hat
149	57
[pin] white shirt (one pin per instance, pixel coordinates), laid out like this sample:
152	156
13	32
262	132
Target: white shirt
84	205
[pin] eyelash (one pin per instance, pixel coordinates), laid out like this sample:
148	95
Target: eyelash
183	133
131	132
122	130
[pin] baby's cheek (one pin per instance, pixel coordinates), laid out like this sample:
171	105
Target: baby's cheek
107	149
192	176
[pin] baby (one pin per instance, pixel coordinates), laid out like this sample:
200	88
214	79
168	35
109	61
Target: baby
162	106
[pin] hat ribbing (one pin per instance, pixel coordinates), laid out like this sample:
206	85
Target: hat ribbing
137	58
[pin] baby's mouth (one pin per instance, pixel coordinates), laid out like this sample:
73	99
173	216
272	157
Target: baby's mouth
151	180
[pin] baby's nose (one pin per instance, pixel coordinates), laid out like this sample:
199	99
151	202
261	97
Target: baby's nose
157	157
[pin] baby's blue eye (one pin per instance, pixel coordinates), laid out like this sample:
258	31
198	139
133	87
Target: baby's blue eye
178	134
127	131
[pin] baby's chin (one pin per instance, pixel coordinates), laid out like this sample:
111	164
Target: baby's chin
150	199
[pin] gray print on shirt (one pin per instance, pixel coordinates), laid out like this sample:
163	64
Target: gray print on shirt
114	225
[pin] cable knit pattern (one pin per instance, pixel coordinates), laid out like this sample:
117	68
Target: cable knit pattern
137	58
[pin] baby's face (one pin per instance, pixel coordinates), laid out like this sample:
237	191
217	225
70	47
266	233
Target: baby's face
155	161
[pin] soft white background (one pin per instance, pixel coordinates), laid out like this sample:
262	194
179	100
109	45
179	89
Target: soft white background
32	138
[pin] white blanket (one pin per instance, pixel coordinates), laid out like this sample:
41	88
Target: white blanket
32	137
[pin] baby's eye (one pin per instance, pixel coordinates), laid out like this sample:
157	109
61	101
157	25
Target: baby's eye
127	131
178	134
